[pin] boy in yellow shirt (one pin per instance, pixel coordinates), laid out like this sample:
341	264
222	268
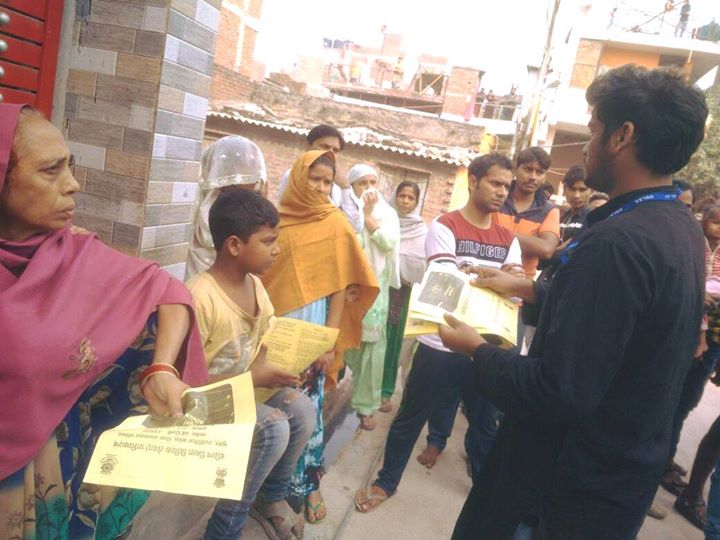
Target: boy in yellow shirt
233	312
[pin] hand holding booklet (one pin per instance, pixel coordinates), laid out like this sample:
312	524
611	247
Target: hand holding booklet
293	345
205	452
445	289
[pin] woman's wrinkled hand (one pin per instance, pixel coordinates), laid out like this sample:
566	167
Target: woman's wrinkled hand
163	392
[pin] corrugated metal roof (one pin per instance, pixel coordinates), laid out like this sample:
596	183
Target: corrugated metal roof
359	136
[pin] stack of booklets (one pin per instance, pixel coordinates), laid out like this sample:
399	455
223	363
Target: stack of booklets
445	289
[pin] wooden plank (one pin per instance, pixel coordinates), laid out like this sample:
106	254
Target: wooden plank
50	50
24	27
19	76
21	52
11	95
34	8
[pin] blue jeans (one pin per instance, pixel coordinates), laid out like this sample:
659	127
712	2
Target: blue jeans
692	391
434	374
284	425
712	529
482	418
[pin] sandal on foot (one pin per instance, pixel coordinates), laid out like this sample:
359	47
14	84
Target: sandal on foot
656	511
386	406
278	520
366	500
315	508
682	471
673	482
366	422
693	510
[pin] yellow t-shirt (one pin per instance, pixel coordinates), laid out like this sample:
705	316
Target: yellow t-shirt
231	337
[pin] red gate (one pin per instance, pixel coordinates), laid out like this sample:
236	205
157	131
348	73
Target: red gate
29	40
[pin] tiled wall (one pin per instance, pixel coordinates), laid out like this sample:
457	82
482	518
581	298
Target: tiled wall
177	146
136	97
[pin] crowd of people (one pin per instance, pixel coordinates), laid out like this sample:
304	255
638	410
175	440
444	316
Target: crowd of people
569	434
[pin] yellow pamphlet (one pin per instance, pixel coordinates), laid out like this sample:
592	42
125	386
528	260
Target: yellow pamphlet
205	452
293	345
445	289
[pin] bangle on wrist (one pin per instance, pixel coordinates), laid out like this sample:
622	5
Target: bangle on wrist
154	369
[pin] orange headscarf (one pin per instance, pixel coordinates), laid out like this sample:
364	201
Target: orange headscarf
319	256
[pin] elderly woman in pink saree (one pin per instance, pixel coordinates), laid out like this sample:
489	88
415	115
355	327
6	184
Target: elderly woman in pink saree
79	323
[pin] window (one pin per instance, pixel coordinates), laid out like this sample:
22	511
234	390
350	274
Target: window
391	176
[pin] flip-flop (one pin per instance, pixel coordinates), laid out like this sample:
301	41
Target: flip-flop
264	512
369	496
315	508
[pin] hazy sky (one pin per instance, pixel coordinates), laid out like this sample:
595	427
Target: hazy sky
500	37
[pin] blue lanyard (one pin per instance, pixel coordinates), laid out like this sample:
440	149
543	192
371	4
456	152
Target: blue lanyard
627	207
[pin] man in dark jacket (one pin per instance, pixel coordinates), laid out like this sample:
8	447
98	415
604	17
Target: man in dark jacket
589	411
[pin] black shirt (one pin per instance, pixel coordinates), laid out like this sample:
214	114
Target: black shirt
589	410
571	223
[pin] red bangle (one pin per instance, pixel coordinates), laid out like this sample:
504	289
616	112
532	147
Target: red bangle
157	368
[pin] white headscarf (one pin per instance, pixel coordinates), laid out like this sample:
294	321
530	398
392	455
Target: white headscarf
388	221
413	232
229	161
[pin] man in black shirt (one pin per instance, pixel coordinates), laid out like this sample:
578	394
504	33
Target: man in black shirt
588	412
577	194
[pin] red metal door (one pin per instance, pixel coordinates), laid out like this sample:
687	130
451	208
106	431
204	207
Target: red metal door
29	40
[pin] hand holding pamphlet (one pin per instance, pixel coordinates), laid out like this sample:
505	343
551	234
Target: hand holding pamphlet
205	452
445	289
294	345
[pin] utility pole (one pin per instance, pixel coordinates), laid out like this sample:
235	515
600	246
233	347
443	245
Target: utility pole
522	138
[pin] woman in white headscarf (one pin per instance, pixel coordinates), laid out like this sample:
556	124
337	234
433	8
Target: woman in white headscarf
380	238
413	231
232	162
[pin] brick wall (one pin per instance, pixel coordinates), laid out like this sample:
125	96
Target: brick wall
237	36
421	128
177	147
229	86
280	150
227	39
462	86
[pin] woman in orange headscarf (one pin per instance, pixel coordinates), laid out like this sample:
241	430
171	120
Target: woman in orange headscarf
320	258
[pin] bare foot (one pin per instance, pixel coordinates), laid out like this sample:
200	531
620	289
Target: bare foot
366	422
386	406
429	456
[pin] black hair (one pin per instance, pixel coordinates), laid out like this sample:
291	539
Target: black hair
480	166
709	212
323	130
667	113
325	160
576	173
599	196
682	184
408	183
548	188
240	213
532	154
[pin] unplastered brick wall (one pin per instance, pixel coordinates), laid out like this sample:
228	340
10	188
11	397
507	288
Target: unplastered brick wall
180	123
423	128
281	149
